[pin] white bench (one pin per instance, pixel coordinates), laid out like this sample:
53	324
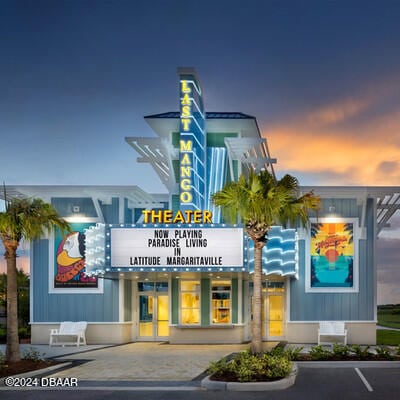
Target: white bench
332	329
69	330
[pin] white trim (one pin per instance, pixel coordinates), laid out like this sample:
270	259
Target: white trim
121	295
91	323
374	261
121	209
134	314
170	299
240	300
345	320
98	209
31	297
356	238
362	201
50	269
82	220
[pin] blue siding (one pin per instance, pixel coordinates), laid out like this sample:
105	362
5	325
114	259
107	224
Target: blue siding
68	307
339	306
128	213
111	211
64	205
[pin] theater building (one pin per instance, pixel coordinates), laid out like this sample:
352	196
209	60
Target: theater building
166	267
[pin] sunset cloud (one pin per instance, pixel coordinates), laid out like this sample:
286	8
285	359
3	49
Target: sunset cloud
347	142
335	113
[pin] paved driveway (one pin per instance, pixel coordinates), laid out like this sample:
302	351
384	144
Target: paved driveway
144	361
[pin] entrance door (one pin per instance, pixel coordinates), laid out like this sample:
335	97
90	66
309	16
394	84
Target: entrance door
146	312
272	316
275	315
153	315
162	328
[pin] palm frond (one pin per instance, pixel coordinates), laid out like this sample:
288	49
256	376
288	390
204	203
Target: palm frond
261	198
29	219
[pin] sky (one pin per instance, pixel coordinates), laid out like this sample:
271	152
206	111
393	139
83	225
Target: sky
321	77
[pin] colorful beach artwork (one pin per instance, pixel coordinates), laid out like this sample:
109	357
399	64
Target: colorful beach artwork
332	255
69	250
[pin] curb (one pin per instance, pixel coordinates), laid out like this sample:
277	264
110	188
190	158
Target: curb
280	384
349	364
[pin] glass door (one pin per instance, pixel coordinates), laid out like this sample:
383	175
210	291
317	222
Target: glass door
272	310
162	316
153	311
275	315
146	312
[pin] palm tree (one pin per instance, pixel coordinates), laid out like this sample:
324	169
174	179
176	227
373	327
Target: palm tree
260	201
26	219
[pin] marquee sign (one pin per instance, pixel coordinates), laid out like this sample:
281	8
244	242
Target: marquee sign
192	144
177	248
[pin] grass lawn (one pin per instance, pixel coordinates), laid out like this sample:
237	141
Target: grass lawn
387	337
388	318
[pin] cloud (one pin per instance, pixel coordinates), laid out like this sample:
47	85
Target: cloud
388	167
338	112
351	141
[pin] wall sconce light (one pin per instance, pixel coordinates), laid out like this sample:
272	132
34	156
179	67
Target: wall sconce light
332	209
76	209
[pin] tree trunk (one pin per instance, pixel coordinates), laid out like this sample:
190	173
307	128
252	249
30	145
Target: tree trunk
12	348
256	339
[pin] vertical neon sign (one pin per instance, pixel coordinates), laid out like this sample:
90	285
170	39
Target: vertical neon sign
192	144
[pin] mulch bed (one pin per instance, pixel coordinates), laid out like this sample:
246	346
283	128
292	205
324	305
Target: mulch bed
22	366
232	378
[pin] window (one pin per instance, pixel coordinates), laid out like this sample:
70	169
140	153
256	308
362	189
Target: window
221	302
146	286
190	302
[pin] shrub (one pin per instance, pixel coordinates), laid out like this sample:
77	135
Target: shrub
277	351
292	353
248	367
32	354
360	352
319	353
218	368
340	350
276	367
383	352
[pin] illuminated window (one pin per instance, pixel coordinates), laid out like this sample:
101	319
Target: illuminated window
190	302
221	302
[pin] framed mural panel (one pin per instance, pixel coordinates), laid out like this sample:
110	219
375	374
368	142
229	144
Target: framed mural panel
332	255
67	263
